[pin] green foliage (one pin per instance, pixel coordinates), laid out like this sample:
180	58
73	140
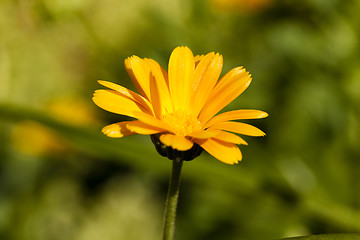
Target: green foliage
343	236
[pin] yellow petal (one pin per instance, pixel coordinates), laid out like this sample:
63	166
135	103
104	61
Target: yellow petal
128	93
230	138
139	73
204	134
225	152
142	128
237	127
162	84
116	102
231	86
197	59
176	142
236	115
228	78
206	75
117	130
155	98
152	121
181	73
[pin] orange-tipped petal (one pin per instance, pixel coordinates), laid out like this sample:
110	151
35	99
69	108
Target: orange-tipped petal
225	152
237	127
181	73
236	115
115	102
176	142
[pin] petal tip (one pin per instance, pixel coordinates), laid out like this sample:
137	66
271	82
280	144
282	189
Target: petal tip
104	83
264	115
112	131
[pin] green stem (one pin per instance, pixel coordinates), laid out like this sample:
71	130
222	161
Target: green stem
171	200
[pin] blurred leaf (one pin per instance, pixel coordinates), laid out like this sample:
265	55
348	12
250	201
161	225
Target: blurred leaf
340	236
236	179
135	154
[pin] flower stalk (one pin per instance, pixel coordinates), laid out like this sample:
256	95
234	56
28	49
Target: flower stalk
172	200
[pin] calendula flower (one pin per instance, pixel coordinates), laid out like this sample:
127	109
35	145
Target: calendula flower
178	108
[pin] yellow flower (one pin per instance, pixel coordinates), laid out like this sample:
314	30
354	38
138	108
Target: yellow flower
180	106
36	139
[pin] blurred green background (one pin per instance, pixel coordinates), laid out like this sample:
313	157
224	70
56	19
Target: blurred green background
60	178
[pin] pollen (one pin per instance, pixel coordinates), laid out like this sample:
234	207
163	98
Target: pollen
182	123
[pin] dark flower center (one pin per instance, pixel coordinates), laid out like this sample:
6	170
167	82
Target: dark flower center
171	153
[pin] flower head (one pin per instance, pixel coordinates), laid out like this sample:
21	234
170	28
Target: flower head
178	108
